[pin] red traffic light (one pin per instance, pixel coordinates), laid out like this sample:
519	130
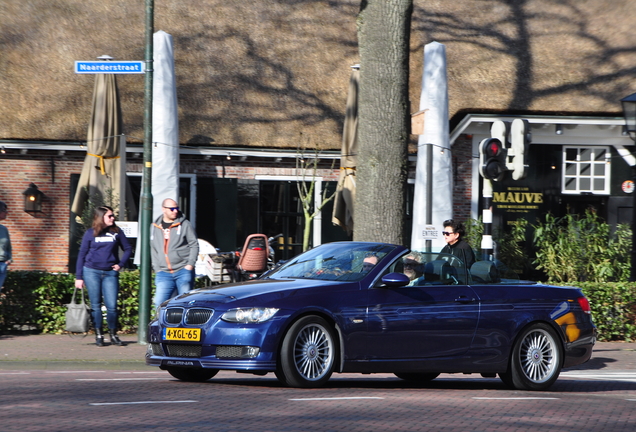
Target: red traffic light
492	159
493	148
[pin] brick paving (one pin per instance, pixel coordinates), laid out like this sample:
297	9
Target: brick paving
47	350
41	394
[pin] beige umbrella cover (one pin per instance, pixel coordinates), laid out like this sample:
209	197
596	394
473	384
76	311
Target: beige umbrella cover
101	173
346	190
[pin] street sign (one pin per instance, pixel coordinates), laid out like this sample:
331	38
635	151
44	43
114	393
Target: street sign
130	228
109	67
431	232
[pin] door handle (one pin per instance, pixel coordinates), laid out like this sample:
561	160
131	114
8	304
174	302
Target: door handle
465	299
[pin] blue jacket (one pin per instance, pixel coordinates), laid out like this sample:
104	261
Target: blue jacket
102	252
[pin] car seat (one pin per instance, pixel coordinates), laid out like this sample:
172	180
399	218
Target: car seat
484	272
440	272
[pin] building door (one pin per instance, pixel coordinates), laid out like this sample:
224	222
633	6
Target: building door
280	212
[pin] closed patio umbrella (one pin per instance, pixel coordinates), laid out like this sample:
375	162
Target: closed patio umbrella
346	190
101	173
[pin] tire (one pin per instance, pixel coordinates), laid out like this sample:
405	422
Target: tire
192	375
417	377
535	360
308	353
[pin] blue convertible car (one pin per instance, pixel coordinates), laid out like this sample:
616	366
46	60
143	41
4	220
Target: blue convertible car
375	308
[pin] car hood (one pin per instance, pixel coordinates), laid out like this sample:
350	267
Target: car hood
256	288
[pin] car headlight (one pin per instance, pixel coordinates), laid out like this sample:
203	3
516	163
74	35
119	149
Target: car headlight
250	315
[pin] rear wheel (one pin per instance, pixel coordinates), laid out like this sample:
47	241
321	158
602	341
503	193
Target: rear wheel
192	375
417	377
308	353
536	359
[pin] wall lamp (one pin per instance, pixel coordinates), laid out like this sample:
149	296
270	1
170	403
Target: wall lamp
558	129
33	199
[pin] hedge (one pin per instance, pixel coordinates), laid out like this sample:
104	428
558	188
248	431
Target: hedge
613	307
34	301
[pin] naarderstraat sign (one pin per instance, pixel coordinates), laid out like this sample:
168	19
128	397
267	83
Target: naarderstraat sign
109	67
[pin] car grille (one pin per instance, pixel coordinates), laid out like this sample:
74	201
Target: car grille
192	316
229	351
198	316
156	349
177	350
174	315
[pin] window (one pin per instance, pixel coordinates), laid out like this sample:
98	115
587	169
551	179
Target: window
586	169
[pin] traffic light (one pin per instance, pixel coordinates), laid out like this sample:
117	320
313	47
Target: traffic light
492	159
520	138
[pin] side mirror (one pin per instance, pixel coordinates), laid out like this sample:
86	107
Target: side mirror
395	280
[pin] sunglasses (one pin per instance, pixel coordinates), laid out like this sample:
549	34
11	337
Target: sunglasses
172	208
447	233
111	216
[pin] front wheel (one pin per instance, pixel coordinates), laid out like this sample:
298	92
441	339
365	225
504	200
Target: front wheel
308	353
536	359
192	375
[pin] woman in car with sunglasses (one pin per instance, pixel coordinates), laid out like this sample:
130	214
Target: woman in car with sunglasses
98	266
455	244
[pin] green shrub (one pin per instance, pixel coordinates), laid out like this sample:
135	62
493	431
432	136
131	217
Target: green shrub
36	301
18	301
511	250
573	248
613	307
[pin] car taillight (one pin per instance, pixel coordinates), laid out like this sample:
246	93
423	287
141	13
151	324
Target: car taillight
585	305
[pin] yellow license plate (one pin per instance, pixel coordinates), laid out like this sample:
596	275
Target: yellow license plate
182	334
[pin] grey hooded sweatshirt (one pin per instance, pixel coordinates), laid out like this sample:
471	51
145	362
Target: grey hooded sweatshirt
177	249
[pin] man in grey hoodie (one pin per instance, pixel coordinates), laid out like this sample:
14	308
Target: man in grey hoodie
174	250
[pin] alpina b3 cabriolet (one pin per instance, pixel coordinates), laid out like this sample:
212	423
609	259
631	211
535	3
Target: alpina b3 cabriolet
353	307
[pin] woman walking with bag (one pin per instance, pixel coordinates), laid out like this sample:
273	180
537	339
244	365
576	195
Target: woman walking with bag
98	266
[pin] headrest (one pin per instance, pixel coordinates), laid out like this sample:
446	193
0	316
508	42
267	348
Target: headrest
484	272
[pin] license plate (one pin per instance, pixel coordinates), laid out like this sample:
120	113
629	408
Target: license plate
182	334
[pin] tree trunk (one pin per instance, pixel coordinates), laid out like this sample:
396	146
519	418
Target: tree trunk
383	125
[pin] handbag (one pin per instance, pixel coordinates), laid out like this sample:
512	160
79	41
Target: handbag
77	315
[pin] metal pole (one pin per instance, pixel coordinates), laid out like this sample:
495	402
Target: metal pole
146	194
486	212
429	192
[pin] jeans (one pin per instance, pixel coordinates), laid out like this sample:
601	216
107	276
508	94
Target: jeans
103	283
182	281
3	273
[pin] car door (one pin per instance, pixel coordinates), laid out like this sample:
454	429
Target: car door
436	318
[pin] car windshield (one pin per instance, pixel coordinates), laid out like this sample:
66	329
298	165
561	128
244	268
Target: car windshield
334	261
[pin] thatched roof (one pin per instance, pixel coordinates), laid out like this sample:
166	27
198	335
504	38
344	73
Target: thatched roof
274	73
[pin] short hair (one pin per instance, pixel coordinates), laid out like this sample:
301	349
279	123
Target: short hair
417	256
163	203
3	206
457	227
372	255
